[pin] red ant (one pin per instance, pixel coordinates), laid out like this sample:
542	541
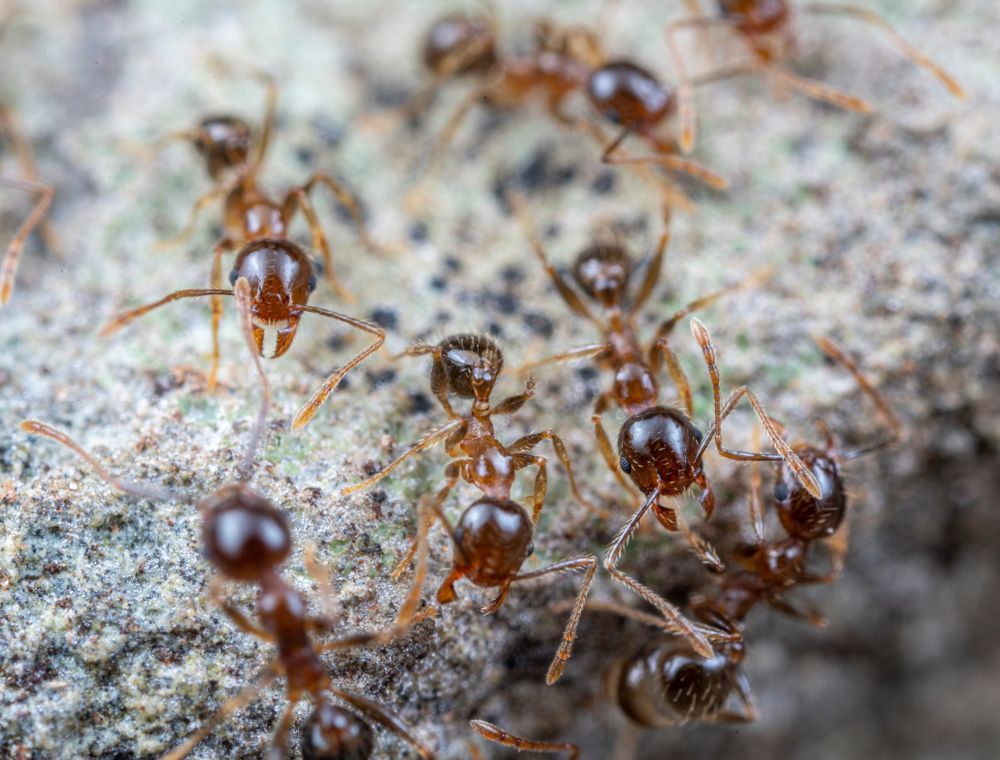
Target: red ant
246	538
658	446
26	182
767	28
493	537
564	61
280	272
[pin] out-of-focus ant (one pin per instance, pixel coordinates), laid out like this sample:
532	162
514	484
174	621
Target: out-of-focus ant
280	272
247	538
767	28
493	537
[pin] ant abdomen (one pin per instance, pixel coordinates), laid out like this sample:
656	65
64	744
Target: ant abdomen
663	685
493	537
761	16
469	364
333	733
224	143
629	95
802	515
658	450
602	272
245	536
460	44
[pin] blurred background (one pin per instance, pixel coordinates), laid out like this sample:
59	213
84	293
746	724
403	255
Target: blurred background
882	231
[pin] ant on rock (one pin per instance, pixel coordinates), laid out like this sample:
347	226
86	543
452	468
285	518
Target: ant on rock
279	271
767	28
246	538
493	537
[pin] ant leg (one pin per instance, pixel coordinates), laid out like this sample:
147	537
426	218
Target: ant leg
29	169
746	697
612	155
652	273
497	603
439	380
613	608
756	503
348	200
589	565
451	475
279	739
128	316
604	443
895	38
143	491
514	403
8	270
702	549
528	442
810	616
519	462
684	627
223	188
230	706
583	352
226	245
889	419
565	290
660	352
307	412
236	617
424	443
803	473
267	123
497	735
384	718
319	573
297	199
813	89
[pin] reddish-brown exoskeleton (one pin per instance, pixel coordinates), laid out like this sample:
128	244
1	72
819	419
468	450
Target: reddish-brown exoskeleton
246	538
498	735
493	537
26	181
280	272
767	28
564	61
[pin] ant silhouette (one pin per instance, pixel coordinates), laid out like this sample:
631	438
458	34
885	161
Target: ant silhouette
246	538
279	271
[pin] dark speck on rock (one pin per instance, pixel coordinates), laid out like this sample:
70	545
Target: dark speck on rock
438	283
306	156
505	303
512	274
336	342
495	330
538	324
604	183
418	232
385	317
420	403
329	131
381	378
452	264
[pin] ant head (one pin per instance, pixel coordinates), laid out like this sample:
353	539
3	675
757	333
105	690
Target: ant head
333	733
493	539
629	95
802	515
470	364
657	450
224	143
281	278
459	44
245	536
602	272
760	15
576	42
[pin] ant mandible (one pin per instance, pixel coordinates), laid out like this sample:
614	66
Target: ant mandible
246	538
26	182
766	26
564	61
279	271
493	537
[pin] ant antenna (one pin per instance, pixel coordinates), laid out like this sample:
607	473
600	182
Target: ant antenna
243	299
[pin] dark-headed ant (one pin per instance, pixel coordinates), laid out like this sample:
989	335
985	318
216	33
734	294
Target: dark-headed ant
246	538
26	182
562	62
279	271
493	537
766	26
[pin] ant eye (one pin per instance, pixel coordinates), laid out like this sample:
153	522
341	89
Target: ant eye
780	491
625	465
232	277
312	283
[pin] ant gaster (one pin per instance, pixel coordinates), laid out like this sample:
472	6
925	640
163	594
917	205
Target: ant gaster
767	28
279	271
246	539
493	537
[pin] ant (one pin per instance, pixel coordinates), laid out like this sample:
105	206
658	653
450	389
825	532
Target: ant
767	28
562	62
247	538
280	272
493	537
28	183
498	735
